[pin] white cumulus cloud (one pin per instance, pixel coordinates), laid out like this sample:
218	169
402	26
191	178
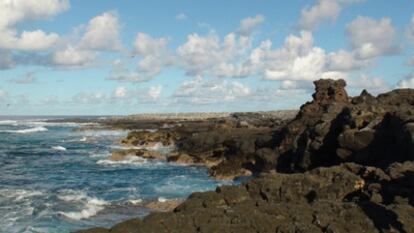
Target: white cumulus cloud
14	12
323	10
73	57
372	38
102	33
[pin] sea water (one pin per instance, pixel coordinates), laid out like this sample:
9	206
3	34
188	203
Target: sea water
54	178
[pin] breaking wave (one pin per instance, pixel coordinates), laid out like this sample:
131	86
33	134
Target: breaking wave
59	148
89	206
26	131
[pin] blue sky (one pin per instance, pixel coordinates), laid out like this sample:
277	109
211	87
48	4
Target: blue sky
62	57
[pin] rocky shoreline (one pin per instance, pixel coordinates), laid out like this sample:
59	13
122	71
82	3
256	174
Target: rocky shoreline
342	164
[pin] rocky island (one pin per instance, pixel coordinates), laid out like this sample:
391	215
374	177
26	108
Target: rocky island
340	164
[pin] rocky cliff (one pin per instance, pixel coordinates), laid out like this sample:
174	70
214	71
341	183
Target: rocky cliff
342	164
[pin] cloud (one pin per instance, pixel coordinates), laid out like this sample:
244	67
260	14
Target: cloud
407	82
247	25
120	92
154	92
323	10
208	55
28	40
136	96
372	38
14	12
199	91
372	84
28	78
181	16
102	33
312	17
298	60
89	98
73	57
343	60
154	54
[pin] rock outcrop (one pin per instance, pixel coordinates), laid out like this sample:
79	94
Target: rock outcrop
334	128
336	199
342	164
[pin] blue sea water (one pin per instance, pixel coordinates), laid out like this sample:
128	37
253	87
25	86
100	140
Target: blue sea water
56	179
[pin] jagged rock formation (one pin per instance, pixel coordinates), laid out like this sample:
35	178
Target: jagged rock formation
226	146
306	182
334	128
347	198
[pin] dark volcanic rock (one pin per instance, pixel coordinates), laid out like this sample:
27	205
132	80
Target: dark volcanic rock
341	165
334	128
321	200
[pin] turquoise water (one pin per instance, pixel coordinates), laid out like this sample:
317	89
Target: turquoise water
56	179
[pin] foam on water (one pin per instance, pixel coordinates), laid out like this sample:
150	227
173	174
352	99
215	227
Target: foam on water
44	191
8	122
90	206
26	131
128	160
59	148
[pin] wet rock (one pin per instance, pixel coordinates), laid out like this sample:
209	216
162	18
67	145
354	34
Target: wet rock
143	153
181	158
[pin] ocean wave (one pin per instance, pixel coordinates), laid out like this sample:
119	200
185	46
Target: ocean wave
44	122
90	206
8	122
134	201
59	148
17	195
26	131
129	160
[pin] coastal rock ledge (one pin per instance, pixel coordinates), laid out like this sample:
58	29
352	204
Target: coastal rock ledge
343	164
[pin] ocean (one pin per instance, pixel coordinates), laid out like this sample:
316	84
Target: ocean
54	178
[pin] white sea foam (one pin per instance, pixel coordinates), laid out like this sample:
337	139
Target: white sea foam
84	139
134	160
59	148
8	122
19	194
135	201
26	131
90	206
162	199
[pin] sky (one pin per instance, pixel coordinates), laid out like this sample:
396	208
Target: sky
107	57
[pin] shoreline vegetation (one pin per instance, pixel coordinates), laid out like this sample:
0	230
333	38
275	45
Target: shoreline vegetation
339	164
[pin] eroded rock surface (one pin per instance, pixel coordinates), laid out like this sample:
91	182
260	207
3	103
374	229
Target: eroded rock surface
342	164
334	128
335	199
